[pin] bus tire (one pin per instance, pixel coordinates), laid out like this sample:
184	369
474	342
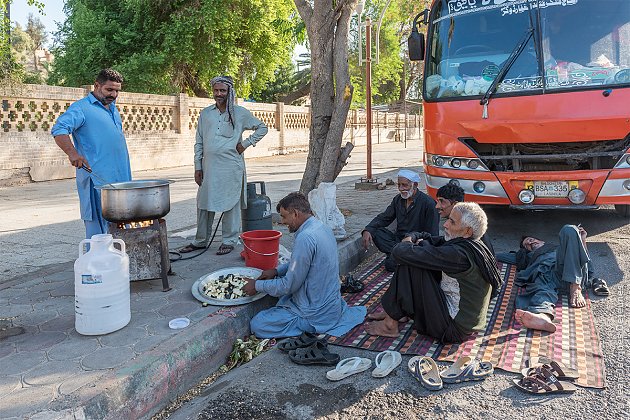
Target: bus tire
623	210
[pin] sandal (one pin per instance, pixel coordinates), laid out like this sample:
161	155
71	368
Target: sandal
600	288
304	340
557	369
350	285
544	383
190	248
348	367
386	361
425	370
224	249
315	354
466	369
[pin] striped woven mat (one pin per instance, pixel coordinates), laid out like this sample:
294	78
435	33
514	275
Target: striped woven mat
504	342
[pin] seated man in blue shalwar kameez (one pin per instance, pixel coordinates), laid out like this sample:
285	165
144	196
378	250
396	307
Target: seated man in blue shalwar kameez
308	285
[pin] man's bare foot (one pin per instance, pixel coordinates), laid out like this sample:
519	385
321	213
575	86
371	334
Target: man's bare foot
386	328
576	300
534	321
380	315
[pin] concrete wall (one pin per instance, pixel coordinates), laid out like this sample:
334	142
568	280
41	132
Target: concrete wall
160	130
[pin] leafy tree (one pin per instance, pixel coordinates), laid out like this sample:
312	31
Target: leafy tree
164	46
387	74
10	70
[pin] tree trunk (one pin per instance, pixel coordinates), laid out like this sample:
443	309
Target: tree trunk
327	25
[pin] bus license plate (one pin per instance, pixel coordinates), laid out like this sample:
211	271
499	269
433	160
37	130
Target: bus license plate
550	188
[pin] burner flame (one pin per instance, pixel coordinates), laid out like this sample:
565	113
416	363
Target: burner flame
135	225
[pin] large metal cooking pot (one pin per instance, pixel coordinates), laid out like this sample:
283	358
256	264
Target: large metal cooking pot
136	200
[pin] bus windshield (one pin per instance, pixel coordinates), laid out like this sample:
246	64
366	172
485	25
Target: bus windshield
577	44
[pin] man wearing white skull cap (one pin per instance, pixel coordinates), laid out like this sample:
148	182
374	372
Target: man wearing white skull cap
413	211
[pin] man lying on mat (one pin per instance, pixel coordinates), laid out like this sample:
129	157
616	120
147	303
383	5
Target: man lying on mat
415	288
545	269
308	285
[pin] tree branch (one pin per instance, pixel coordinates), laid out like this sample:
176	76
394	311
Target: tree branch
305	10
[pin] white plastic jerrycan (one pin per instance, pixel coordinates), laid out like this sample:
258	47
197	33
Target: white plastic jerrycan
101	286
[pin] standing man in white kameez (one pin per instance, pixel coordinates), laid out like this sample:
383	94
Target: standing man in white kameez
220	165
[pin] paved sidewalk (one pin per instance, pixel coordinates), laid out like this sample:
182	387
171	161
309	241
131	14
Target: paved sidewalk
49	371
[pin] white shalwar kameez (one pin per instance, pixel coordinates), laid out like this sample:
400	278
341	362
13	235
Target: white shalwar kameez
224	178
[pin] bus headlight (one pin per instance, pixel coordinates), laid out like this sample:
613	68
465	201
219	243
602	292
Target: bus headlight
438	161
526	196
626	184
479	187
628	159
456	163
472	164
577	196
454	182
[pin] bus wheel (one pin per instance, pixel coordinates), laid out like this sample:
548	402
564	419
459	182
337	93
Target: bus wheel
623	209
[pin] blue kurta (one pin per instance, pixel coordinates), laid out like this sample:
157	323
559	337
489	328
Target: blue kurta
98	136
308	287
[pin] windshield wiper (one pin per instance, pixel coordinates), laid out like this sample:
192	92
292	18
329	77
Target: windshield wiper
516	52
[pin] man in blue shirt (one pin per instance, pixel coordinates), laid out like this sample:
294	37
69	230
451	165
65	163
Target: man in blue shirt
99	144
308	285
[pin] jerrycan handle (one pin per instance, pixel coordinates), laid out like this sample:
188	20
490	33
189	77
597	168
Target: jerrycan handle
122	246
82	247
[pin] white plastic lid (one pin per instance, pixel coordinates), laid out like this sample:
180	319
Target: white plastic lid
178	323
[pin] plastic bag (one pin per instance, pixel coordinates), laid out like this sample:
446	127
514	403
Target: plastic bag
323	201
284	255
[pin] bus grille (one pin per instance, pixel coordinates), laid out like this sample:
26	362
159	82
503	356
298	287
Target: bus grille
542	157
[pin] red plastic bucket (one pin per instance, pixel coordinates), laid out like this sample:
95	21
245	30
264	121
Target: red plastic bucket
261	248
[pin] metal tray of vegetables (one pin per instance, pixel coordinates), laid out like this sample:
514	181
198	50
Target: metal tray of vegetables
224	287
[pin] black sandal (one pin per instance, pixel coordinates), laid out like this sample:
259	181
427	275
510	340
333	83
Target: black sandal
600	288
304	340
315	354
350	285
190	248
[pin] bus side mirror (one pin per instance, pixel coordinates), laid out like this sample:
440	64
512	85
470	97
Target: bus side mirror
415	42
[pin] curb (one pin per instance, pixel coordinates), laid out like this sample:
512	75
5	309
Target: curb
144	386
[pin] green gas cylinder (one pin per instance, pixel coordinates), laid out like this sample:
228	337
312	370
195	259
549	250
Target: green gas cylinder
257	215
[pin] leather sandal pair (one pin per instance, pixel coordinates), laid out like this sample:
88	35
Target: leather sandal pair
546	376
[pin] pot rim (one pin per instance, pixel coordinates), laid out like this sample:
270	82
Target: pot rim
124	186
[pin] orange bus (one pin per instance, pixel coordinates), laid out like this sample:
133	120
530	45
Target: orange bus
527	102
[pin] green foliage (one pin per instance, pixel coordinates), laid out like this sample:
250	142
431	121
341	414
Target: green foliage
393	57
164	46
11	71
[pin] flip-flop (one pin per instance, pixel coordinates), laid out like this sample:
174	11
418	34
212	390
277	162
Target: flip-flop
304	340
315	354
224	249
600	287
386	361
348	367
466	369
543	383
425	370
190	248
558	369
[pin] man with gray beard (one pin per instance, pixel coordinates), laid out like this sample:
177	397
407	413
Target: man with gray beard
415	288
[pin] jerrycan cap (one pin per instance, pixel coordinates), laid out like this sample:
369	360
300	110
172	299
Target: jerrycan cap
178	323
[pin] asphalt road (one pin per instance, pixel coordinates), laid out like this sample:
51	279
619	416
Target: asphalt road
271	387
